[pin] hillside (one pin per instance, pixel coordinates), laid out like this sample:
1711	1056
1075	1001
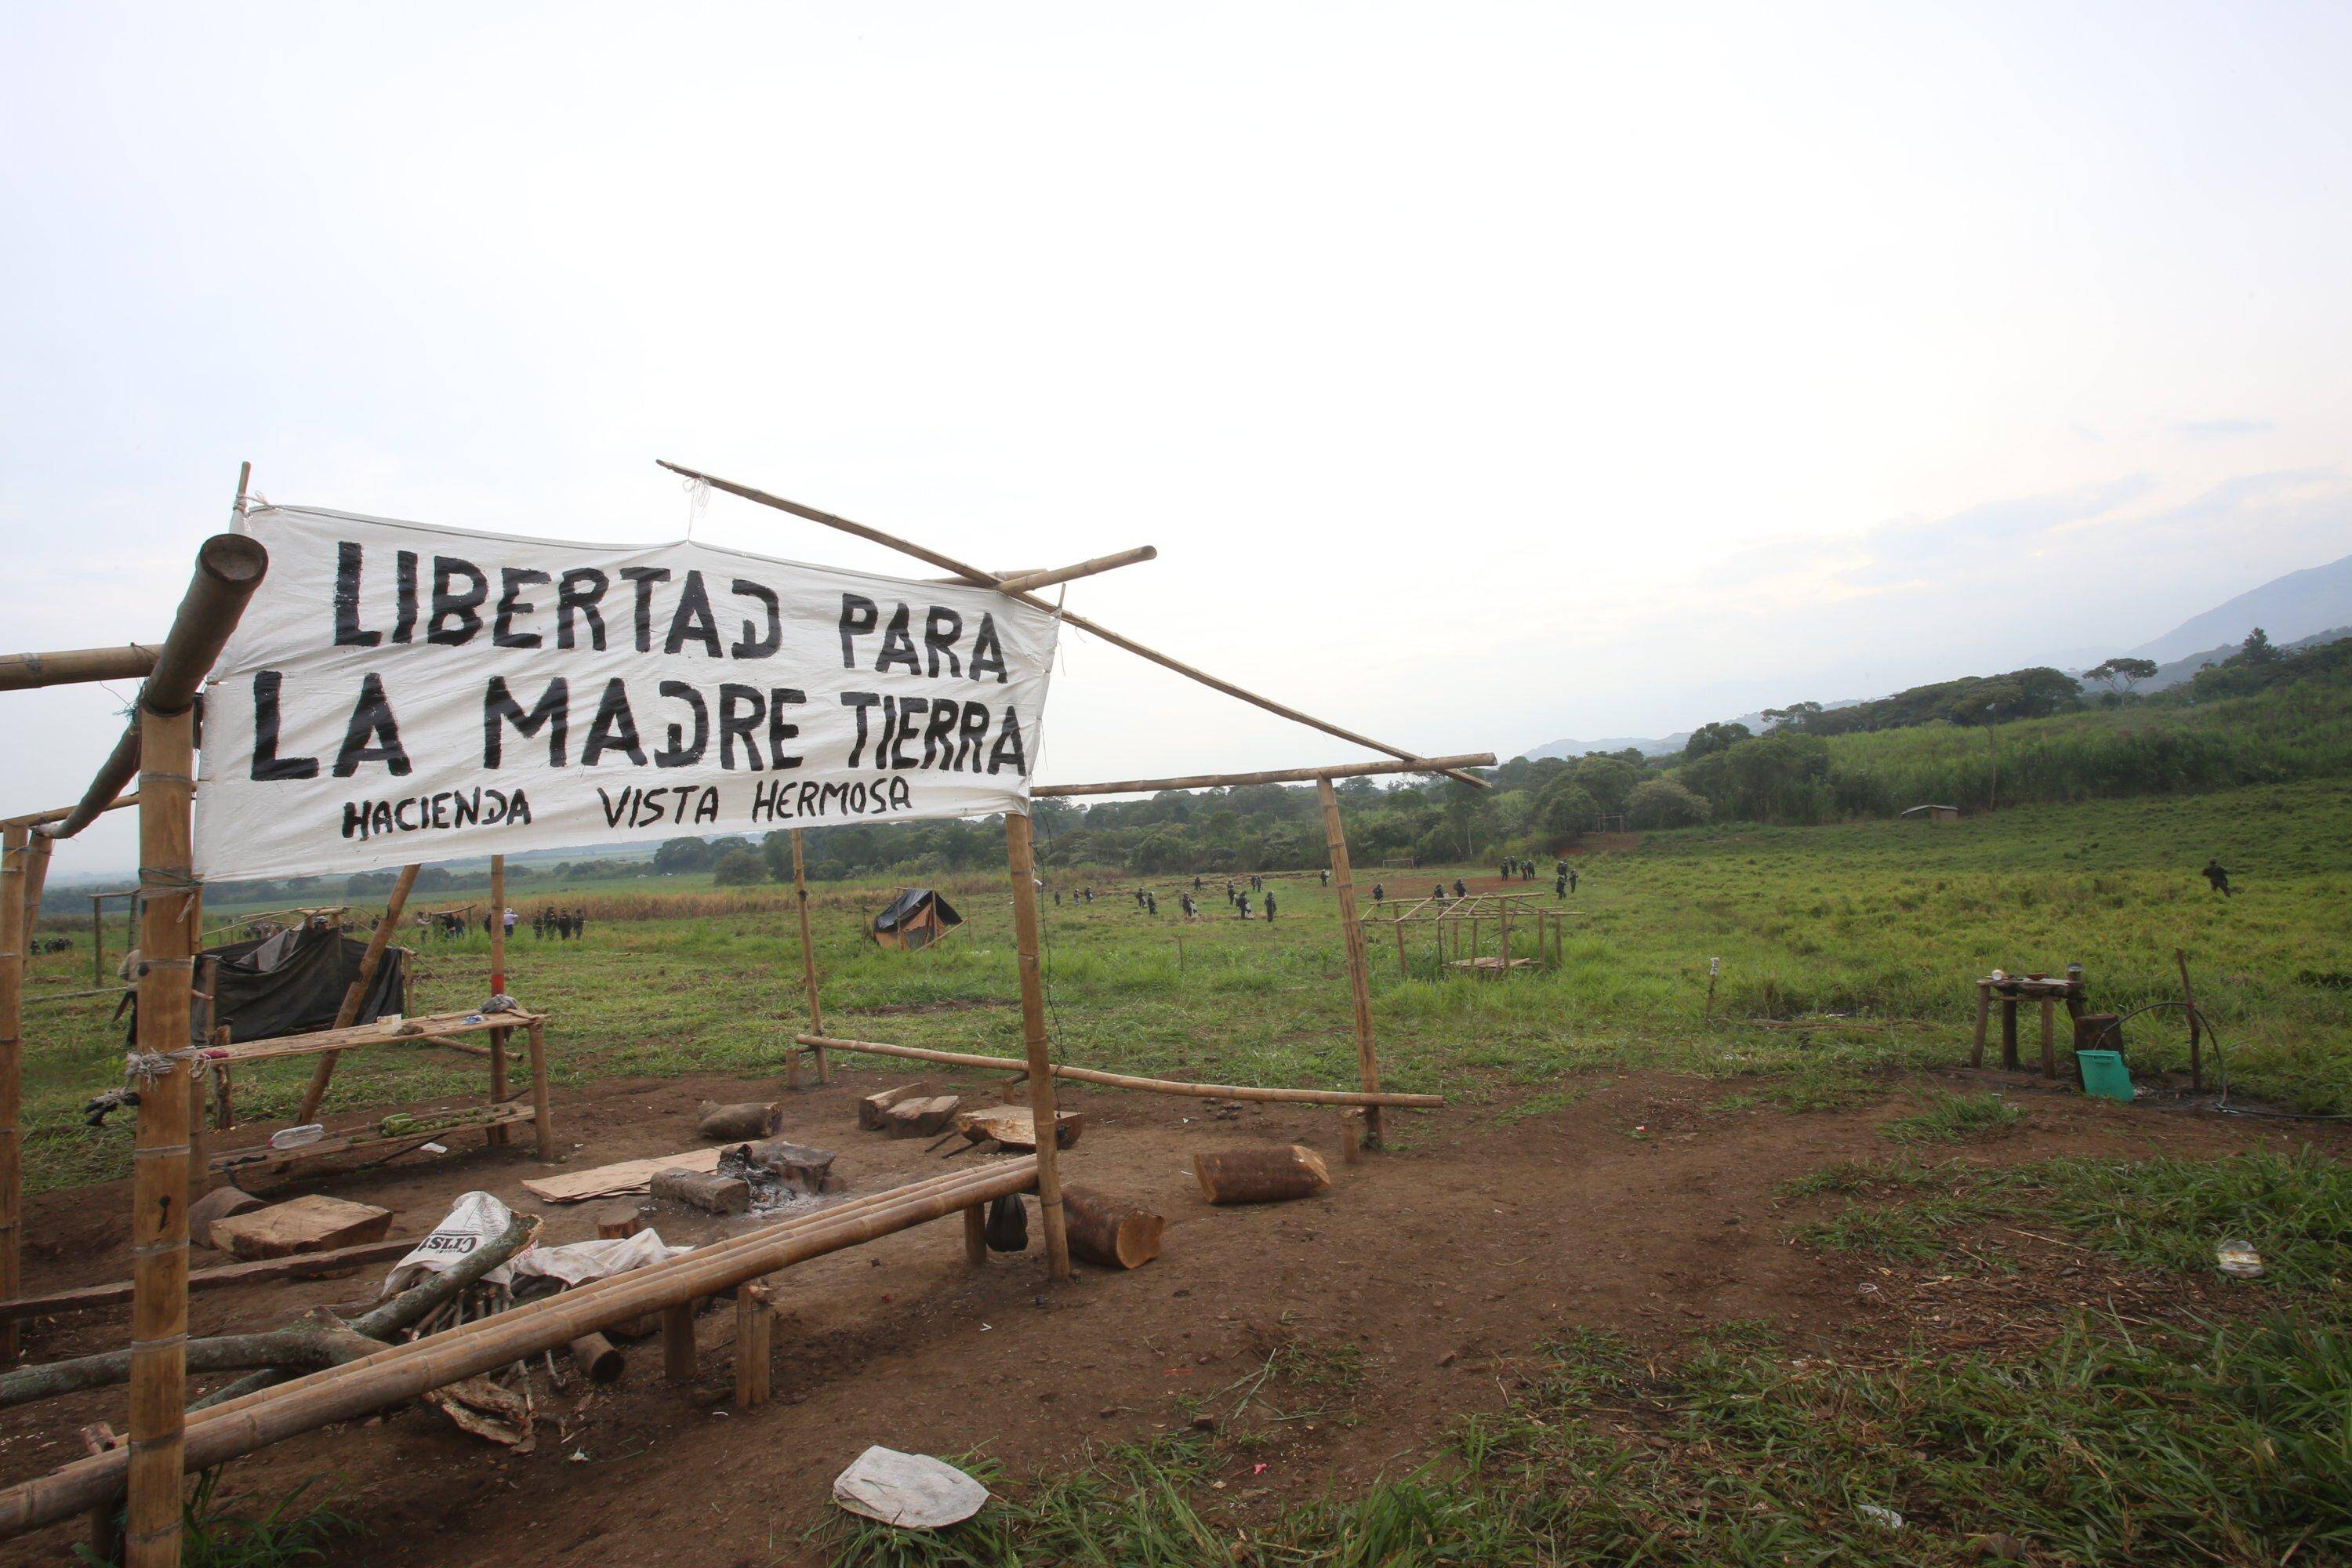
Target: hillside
2290	608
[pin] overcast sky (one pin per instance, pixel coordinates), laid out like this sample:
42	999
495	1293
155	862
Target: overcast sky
1484	373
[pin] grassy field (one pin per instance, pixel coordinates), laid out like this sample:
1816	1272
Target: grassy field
1845	951
1887	923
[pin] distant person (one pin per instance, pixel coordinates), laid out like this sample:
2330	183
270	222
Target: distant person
1379	893
1090	895
512	920
1196	882
1507	870
1257	883
1191	910
2219	877
1326	874
1152	905
1560	867
579	922
1560	885
1269	905
1527	870
1138	898
1460	890
1241	904
1229	890
1571	878
1438	893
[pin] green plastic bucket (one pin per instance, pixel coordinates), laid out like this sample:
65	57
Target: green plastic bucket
2103	1074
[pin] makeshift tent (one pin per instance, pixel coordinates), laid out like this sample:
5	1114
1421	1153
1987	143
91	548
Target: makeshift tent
292	983
917	918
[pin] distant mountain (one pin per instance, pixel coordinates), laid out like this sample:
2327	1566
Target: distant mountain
1648	747
2290	609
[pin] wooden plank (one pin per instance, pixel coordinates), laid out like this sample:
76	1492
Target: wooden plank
263	1155
361	1035
312	1223
627	1176
260	1270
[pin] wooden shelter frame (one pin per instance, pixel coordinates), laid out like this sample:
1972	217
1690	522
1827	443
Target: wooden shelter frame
1459	923
169	1168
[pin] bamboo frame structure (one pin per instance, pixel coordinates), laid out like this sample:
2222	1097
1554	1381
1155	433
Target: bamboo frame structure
235	1427
1276	775
1035	1047
15	840
979	578
808	970
25	671
1128	1080
1351	935
1029	581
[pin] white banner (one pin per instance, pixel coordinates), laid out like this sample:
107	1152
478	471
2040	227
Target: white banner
398	693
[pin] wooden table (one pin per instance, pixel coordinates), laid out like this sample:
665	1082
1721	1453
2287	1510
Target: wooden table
439	1028
2009	993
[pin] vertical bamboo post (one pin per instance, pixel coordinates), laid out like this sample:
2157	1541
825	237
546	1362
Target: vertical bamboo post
541	1118
754	1320
2009	1033
497	1136
348	1013
203	973
1022	857
2049	1035
1503	940
159	1208
677	1342
1402	972
1984	1011
975	1235
14	935
808	962
1359	985
2195	1030
97	942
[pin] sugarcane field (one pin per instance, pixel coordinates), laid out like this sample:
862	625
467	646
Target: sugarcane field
777	789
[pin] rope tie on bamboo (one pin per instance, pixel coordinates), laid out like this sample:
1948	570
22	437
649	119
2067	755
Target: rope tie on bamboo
149	1065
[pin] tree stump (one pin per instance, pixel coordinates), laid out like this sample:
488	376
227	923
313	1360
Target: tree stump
1105	1230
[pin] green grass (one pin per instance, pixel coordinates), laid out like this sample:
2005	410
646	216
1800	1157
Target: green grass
1886	923
1949	1117
2113	1446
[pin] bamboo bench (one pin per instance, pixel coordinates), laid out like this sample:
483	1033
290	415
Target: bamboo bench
222	1432
435	1029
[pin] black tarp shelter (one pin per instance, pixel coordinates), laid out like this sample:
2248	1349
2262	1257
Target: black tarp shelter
917	918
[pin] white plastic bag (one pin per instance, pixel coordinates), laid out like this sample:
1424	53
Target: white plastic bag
478	1220
578	1262
913	1491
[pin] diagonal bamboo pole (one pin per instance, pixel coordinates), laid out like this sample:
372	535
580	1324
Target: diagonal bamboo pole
974	575
348	1013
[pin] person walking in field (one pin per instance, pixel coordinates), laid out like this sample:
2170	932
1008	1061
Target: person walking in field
1196	882
1152	905
1560	885
1191	910
1571	878
2217	876
1240	906
511	918
1379	893
1460	890
1326	875
1269	904
1438	893
1229	890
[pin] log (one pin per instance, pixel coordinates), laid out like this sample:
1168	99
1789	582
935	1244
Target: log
220	1204
738	1123
1105	1230
615	1222
300	1265
313	1223
754	1323
920	1118
805	1168
705	1189
1015	1126
1128	1080
871	1108
1260	1175
597	1358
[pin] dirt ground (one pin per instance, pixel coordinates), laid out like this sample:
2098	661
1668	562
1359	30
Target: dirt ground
1637	1208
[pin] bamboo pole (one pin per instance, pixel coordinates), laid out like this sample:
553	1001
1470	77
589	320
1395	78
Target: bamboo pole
1029	581
348	1013
496	1135
1276	775
97	942
1022	861
542	1119
808	962
1149	1085
23	671
13	843
1402	971
159	1209
1359	980
223	1432
2196	1026
974	575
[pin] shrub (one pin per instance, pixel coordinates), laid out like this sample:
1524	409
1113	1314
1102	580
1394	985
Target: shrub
1662	803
